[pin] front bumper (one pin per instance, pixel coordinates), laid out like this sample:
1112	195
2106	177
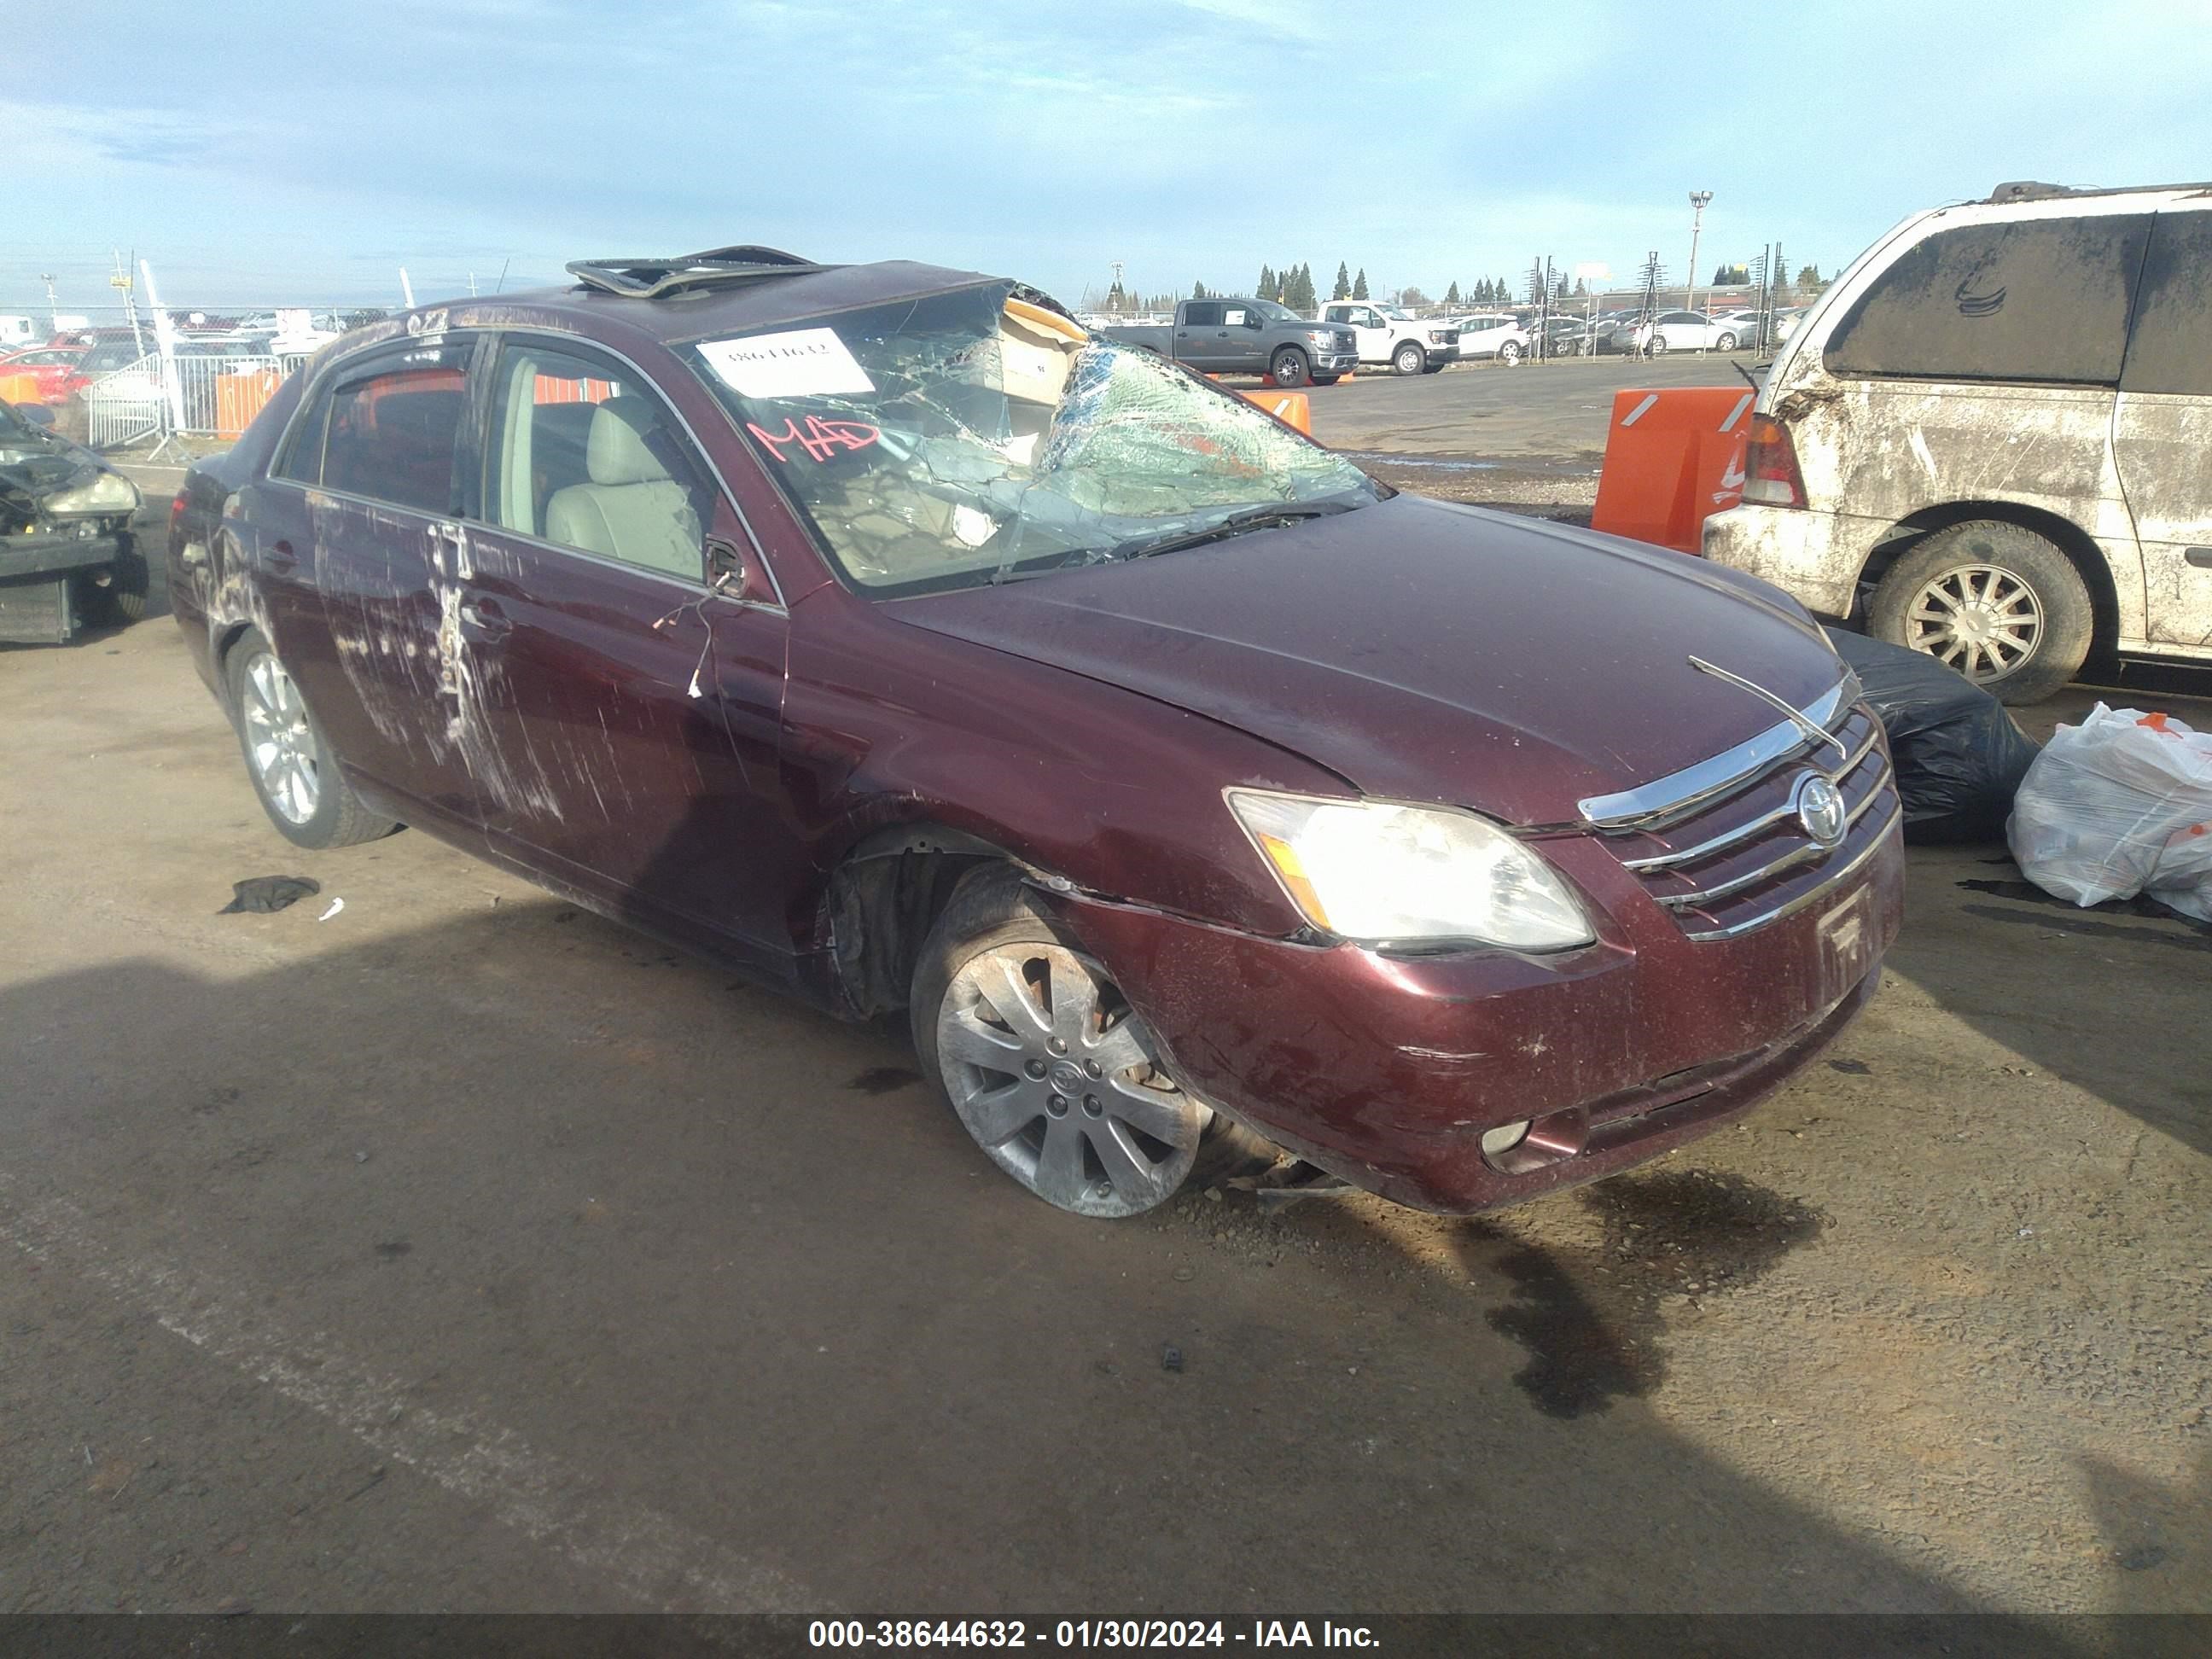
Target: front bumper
1386	1070
50	554
1335	362
1815	557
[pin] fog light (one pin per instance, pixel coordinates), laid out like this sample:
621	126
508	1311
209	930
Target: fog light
1505	1138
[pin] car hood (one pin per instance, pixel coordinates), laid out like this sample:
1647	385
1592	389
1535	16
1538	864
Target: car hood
1427	651
36	466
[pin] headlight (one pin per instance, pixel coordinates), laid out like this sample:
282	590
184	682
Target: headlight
1380	873
111	492
1322	338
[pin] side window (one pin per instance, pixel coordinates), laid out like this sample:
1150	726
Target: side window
2028	299
585	454
1202	313
1233	317
389	430
2171	349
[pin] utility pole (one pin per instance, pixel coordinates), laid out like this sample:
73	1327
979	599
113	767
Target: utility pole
53	305
1697	200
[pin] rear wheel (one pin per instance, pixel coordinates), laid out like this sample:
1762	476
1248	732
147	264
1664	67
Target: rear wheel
2000	604
1409	359
1289	368
1044	1062
293	769
1658	347
1509	353
1726	343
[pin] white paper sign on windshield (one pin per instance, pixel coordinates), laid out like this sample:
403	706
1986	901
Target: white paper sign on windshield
800	362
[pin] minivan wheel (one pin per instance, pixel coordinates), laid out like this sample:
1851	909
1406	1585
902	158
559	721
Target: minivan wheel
293	769
1509	353
2000	604
1410	360
1044	1061
1288	368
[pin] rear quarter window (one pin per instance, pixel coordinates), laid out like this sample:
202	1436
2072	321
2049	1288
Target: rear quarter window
2037	299
2170	351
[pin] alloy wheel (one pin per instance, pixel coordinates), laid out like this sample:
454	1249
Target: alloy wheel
1978	618
1058	1082
279	741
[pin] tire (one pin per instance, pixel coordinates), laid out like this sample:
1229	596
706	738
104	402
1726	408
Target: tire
1509	353
1409	359
1051	1073
123	599
293	770
1726	343
1658	346
2029	623
1290	369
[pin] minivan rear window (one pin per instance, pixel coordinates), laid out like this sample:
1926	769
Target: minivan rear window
2040	299
2171	350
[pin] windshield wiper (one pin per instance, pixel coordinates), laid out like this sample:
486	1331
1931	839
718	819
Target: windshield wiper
1252	517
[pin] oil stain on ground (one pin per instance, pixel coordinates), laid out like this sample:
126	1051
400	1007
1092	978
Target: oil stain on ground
884	1079
1593	1336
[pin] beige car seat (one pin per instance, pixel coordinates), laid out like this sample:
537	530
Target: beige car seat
632	510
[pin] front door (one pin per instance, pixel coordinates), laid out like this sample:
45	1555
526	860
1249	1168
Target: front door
2162	432
630	711
1243	341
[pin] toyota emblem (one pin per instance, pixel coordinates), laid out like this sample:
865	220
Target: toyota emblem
1821	809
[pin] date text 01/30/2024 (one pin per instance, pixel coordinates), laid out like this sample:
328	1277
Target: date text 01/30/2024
1085	1634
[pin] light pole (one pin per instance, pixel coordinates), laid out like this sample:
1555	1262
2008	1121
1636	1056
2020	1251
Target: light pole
1697	200
53	305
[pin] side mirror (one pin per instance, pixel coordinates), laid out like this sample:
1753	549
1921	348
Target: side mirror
36	414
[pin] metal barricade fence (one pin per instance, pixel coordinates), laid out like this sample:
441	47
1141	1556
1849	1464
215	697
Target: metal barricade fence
210	397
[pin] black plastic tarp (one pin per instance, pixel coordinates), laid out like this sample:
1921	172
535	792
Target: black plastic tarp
1959	758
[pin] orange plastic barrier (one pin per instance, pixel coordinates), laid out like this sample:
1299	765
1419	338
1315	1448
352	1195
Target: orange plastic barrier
20	389
1290	408
238	399
1672	458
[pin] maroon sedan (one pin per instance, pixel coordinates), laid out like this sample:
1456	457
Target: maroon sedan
877	630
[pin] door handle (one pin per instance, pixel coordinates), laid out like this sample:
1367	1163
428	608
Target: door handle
2200	557
485	618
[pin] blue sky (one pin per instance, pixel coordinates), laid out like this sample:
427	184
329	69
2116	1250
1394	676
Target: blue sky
262	152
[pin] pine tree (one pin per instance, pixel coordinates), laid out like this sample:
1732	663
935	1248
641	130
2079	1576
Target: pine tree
1359	284
1560	291
1308	299
1581	289
1266	288
1809	276
1451	294
1198	290
1343	288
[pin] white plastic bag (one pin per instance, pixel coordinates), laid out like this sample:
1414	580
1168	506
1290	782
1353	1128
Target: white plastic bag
2117	806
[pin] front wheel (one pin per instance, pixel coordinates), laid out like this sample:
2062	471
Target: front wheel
2000	604
1289	369
1509	353
293	769
1726	343
1410	359
1044	1062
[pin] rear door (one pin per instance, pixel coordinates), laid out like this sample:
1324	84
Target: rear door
2162	431
362	517
630	712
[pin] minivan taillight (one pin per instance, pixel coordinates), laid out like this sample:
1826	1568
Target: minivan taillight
1771	477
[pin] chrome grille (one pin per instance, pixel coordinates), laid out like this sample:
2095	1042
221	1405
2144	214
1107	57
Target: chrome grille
1722	845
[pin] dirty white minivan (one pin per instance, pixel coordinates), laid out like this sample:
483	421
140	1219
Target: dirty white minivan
1994	432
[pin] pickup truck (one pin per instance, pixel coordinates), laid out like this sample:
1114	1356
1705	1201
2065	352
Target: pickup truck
1249	337
1388	335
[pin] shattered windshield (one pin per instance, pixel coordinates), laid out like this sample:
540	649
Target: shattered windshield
972	437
